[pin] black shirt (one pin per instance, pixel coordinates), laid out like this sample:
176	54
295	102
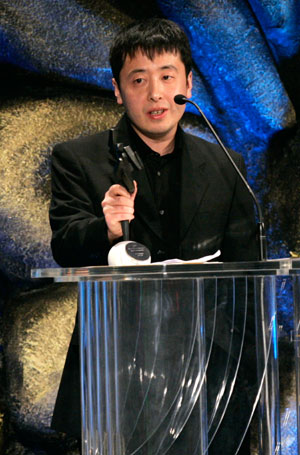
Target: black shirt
164	174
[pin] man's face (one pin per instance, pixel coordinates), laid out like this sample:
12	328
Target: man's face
147	89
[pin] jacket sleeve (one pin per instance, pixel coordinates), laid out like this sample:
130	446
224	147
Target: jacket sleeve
79	231
240	238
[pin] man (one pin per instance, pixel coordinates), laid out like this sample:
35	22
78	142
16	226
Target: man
188	201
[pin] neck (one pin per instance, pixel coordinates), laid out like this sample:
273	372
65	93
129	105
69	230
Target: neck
162	145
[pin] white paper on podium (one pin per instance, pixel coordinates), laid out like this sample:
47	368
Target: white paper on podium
191	261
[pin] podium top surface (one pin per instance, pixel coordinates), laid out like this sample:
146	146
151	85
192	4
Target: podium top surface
182	270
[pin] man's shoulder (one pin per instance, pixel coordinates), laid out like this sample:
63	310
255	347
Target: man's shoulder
198	142
84	143
90	145
208	149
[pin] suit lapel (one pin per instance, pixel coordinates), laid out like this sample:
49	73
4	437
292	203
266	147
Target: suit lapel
194	183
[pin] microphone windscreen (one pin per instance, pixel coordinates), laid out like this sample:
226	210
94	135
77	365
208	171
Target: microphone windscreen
180	99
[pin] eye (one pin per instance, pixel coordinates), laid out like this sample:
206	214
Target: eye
138	80
167	77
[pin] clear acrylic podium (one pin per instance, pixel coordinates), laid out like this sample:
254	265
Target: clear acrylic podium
295	273
176	357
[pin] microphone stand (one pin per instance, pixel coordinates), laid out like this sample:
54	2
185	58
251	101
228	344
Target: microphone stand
181	99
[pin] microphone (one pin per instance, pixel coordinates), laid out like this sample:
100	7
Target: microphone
181	99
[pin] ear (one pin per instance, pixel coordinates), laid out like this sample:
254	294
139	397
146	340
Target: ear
189	85
117	91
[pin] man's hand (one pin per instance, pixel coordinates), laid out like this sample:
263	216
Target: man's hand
118	205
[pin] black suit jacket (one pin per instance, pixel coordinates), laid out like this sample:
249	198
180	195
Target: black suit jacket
216	211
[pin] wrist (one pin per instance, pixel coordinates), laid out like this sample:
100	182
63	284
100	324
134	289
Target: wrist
112	237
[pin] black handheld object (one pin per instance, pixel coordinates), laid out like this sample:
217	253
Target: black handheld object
127	252
181	99
128	160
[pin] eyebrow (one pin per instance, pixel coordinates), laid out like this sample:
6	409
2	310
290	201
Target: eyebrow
143	70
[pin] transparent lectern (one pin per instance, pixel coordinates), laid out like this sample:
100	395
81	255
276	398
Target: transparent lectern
175	359
295	273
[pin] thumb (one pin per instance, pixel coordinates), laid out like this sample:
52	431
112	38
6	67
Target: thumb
132	196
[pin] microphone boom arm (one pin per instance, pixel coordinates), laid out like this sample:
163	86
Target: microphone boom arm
181	99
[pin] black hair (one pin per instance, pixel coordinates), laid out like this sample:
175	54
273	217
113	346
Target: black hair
151	36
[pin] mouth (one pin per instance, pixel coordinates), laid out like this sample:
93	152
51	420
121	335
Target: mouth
157	113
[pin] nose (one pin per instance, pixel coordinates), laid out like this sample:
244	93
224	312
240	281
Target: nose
154	90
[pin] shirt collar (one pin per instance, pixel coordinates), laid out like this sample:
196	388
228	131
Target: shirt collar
145	152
